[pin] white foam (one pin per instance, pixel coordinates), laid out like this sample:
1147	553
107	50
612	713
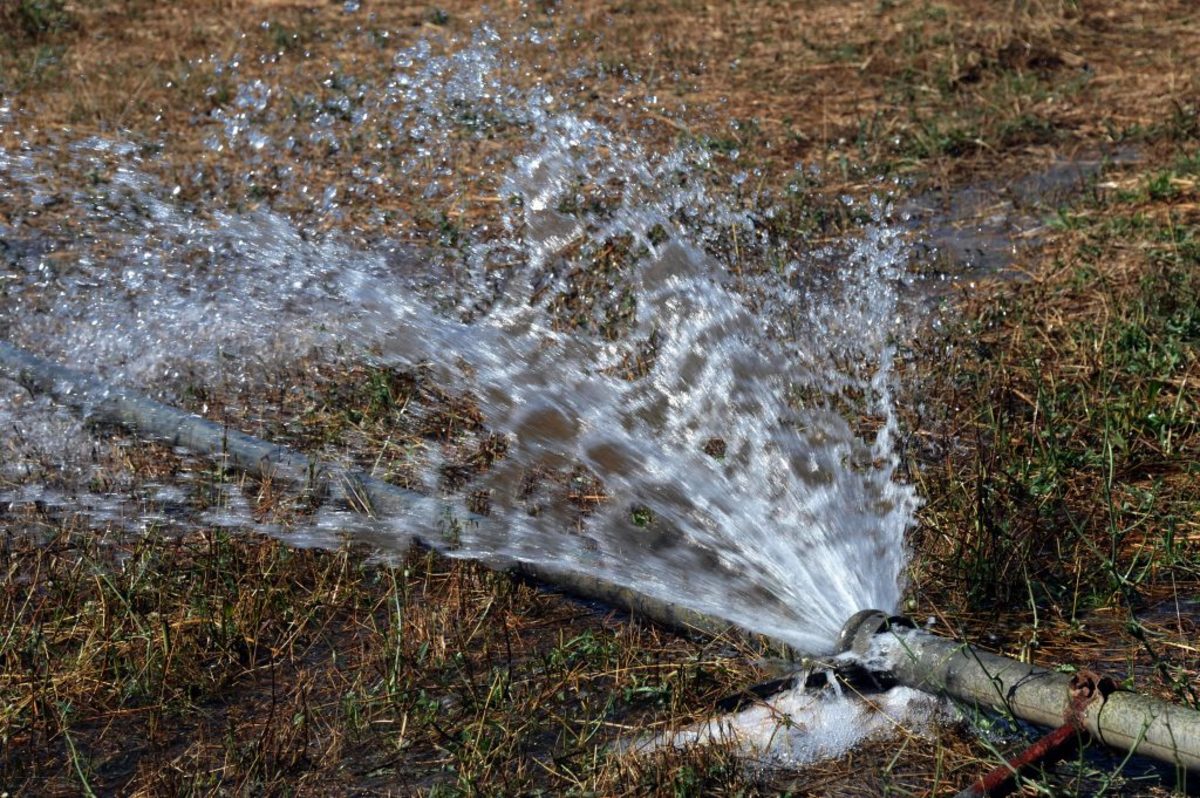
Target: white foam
800	727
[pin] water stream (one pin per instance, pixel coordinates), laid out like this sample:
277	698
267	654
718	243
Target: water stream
617	312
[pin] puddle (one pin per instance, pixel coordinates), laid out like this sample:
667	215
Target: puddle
987	228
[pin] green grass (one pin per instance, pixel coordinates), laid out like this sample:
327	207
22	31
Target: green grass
1075	491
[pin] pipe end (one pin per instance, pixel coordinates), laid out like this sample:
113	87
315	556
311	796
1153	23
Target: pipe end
863	625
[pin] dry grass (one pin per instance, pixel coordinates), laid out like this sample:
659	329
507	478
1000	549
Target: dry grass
1057	451
236	665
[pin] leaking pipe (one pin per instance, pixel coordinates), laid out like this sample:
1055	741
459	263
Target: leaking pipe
102	403
909	656
1141	724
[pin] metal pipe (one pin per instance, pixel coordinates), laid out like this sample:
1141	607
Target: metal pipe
1118	718
100	402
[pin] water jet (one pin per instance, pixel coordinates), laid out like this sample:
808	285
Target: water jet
887	650
102	403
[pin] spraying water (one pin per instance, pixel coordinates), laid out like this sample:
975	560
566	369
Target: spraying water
617	315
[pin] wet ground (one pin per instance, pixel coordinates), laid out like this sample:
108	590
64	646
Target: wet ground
993	227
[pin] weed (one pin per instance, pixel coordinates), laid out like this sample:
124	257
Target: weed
37	19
